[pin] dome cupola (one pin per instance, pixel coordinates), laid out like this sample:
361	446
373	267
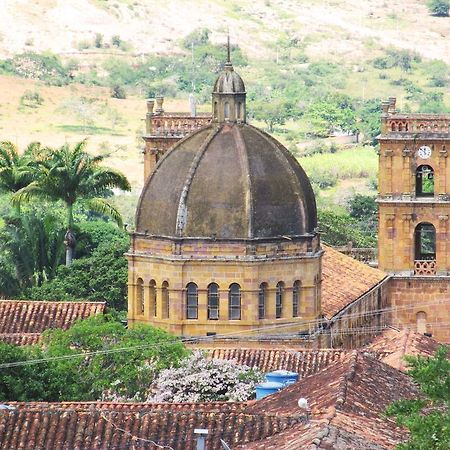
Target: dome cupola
228	97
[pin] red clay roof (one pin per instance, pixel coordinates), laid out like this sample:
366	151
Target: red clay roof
398	343
35	427
20	338
344	279
25	317
347	401
304	362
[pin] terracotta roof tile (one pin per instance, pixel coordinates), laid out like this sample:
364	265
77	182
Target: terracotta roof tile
344	280
36	427
20	338
304	362
398	343
25	317
347	400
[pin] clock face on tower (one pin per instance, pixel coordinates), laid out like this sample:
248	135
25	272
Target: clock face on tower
424	152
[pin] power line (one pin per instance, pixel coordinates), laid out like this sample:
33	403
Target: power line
231	334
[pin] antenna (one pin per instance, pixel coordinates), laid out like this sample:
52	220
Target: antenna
228	46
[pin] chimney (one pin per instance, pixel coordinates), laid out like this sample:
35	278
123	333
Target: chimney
159	105
201	441
384	116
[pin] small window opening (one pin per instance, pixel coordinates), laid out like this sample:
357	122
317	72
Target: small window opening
279	300
425	237
226	110
262	301
424	181
165	300
295	298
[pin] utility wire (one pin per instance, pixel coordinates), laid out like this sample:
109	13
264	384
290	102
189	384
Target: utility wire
231	334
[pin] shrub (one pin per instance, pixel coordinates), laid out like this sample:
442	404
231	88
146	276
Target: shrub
31	99
201	380
438	8
118	92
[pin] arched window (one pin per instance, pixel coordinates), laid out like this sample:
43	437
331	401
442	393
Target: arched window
425	237
215	110
421	322
262	301
226	110
424	181
191	301
234	302
279	300
238	110
152	297
165	300
296	298
213	301
140	300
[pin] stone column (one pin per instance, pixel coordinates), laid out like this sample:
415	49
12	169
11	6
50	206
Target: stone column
442	190
408	243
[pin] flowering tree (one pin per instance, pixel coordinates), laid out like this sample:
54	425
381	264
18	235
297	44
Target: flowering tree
199	379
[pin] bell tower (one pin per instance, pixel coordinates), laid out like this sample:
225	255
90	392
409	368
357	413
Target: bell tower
414	211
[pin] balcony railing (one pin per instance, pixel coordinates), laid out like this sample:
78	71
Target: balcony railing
425	267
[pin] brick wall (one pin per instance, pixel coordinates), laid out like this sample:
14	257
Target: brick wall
411	297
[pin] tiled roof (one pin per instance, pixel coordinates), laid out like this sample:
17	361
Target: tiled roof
398	343
347	401
24	317
344	280
36	426
304	362
20	338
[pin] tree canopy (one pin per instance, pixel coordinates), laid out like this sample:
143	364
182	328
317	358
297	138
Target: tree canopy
427	417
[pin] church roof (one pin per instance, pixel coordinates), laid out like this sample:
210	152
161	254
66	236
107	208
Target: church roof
225	181
229	82
344	280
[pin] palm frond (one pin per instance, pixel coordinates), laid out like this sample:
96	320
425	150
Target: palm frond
102	206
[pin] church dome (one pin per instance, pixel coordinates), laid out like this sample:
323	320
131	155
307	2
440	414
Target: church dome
229	81
228	180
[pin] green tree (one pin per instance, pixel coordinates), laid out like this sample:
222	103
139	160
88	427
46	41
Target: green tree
22	383
333	113
439	8
340	229
427	417
17	170
272	111
131	360
31	248
100	273
71	175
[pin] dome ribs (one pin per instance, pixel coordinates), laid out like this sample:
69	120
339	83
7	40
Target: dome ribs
182	205
240	145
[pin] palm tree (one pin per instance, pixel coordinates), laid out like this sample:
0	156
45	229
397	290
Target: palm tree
72	175
16	169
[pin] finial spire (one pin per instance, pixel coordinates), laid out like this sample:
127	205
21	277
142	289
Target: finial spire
228	48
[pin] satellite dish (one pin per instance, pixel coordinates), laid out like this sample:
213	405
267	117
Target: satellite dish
303	403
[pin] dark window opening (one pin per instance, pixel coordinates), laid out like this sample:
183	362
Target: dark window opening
279	300
262	301
425	237
165	300
234	302
295	299
140	295
152	297
191	301
213	301
424	181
